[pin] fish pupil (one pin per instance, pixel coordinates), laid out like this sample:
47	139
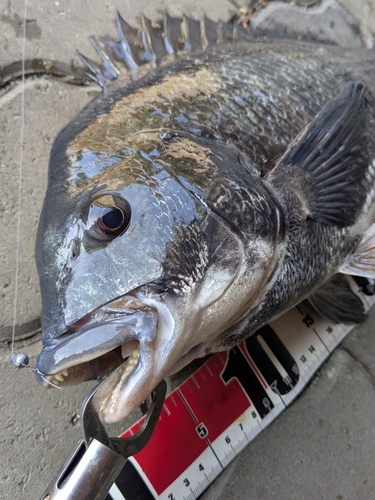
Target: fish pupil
112	218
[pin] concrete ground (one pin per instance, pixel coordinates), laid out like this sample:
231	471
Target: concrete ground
323	446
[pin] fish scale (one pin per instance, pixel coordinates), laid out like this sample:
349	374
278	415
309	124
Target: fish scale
290	98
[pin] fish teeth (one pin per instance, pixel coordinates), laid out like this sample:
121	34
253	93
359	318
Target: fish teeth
59	377
135	353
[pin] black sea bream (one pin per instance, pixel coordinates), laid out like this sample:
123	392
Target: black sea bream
193	205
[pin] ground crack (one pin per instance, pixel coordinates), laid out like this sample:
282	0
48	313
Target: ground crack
35	67
361	363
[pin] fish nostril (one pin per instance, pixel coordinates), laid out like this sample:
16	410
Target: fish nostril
75	248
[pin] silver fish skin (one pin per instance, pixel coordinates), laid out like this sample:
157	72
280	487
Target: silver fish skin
190	207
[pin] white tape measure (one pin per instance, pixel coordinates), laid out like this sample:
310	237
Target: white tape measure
228	401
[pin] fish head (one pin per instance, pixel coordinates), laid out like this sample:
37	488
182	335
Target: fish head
133	263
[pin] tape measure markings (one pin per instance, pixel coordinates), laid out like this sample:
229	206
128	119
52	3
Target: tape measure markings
195	479
329	334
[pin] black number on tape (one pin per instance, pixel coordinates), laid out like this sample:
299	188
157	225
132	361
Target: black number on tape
186	482
264	363
308	320
201	430
266	402
238	367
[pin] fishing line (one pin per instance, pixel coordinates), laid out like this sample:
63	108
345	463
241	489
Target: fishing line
20	173
21	360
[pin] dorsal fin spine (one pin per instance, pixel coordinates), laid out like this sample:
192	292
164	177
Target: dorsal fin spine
151	43
124	45
167	45
108	65
149	56
95	72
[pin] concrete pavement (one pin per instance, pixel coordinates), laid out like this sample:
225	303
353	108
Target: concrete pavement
323	447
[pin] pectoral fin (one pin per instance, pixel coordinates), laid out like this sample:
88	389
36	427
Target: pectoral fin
336	301
361	262
325	165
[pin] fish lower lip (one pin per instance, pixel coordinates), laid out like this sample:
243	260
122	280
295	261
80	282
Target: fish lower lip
141	359
119	377
127	388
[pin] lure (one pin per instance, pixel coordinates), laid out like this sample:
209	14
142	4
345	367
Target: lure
21	360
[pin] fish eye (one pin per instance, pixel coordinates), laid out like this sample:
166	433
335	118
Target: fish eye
108	217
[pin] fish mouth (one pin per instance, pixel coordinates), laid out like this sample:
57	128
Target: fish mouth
128	328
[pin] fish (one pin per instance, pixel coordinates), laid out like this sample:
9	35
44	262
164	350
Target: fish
226	180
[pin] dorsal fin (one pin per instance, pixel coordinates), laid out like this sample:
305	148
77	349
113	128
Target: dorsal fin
97	72
192	32
209	31
226	31
154	38
173	33
152	43
132	48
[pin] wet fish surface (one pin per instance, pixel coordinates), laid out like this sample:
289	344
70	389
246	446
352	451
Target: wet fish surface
193	205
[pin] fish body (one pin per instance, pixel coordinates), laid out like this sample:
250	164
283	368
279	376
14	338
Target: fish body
190	207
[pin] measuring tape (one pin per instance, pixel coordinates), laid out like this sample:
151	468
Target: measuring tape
228	401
